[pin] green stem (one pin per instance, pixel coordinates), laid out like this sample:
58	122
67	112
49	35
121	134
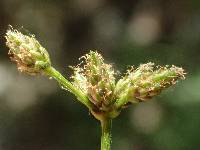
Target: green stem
106	125
50	71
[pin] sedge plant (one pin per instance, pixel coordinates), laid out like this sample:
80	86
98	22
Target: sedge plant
94	82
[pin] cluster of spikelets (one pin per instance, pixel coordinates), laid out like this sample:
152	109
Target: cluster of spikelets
94	78
98	80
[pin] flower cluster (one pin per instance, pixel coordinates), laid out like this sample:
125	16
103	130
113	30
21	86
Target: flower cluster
94	81
145	82
97	80
27	52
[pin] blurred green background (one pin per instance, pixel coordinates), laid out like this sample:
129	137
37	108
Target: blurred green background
35	114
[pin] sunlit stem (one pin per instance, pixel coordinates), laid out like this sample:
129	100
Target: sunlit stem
52	72
106	125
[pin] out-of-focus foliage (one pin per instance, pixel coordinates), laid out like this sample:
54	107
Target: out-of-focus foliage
36	114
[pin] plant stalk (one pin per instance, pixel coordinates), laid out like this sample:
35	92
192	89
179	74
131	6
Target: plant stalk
106	139
52	72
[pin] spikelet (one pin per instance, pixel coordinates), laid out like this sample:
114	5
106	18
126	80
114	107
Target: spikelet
27	52
147	81
96	79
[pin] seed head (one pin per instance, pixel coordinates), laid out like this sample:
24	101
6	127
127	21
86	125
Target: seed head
147	81
96	79
27	52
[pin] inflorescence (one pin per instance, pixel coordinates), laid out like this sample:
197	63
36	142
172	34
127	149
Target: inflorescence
98	80
94	79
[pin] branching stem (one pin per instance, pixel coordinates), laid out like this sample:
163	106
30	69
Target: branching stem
67	85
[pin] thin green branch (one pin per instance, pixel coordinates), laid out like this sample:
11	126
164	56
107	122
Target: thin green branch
52	72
